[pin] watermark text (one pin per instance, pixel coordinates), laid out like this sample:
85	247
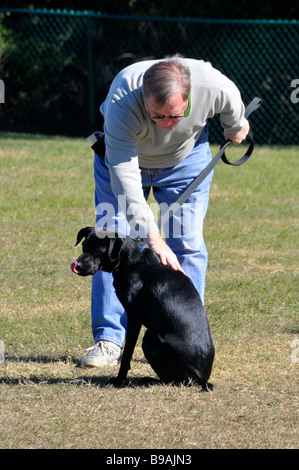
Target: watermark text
2	92
295	352
2	352
178	221
295	93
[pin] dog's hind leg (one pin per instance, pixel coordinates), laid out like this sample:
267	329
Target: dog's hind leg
133	330
168	363
159	357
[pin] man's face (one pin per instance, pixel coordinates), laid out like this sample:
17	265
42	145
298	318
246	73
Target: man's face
170	113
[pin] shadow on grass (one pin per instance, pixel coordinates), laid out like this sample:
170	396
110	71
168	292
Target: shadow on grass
87	380
101	381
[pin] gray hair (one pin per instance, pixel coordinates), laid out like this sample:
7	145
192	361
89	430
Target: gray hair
165	78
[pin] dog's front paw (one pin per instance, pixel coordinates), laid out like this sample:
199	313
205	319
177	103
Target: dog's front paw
207	387
117	381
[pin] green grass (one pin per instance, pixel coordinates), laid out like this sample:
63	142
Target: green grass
47	401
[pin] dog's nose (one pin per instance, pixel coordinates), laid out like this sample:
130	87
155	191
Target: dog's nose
73	267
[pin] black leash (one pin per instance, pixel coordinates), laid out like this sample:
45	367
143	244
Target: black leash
253	106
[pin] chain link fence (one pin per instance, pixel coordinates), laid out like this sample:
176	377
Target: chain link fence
57	66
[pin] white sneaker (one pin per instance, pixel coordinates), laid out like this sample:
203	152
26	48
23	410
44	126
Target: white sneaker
102	353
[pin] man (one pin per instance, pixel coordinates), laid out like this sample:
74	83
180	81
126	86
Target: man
156	137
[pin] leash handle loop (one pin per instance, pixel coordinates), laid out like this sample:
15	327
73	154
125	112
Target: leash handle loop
253	106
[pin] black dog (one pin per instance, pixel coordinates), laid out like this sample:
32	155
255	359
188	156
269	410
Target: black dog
177	343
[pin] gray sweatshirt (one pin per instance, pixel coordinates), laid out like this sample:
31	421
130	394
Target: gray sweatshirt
134	141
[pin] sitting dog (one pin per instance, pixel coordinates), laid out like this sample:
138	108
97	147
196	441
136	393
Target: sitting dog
177	342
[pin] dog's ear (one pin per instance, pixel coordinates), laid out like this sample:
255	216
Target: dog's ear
115	248
84	232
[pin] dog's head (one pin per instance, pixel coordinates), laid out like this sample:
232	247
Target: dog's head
102	250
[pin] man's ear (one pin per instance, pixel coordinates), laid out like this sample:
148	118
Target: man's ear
84	232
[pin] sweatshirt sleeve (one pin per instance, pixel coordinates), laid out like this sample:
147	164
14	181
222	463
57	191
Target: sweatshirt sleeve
230	106
121	127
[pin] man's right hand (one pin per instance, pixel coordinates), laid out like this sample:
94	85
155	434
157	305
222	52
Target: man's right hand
167	256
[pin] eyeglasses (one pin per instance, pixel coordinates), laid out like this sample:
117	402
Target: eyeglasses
157	118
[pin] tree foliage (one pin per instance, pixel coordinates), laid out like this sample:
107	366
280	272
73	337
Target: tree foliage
241	9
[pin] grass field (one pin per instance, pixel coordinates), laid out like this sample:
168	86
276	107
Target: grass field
251	231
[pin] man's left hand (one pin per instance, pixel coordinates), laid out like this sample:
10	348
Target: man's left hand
239	136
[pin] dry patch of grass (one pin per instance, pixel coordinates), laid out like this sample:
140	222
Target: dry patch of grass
58	405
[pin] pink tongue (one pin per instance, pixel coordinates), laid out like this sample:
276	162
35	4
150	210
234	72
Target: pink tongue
73	267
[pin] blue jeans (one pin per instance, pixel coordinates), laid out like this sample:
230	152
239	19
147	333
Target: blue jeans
183	233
